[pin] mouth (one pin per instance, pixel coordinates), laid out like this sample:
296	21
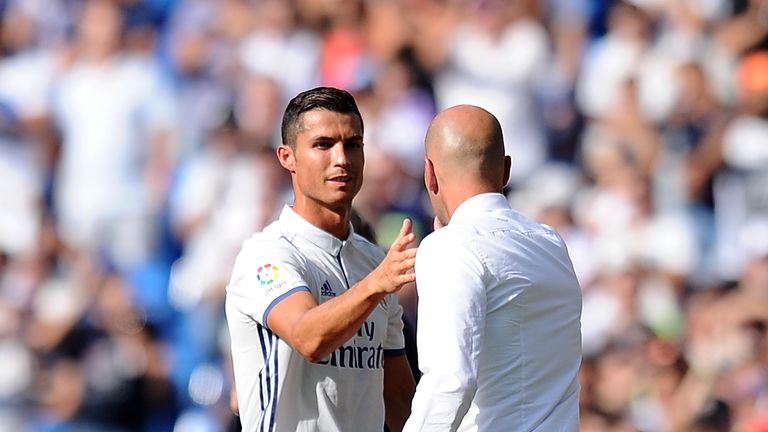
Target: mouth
341	179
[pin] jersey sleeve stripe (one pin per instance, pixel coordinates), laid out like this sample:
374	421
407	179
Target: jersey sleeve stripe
278	299
394	352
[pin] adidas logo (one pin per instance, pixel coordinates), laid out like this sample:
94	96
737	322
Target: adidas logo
326	290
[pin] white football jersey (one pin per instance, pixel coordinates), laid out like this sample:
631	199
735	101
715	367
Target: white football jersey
277	388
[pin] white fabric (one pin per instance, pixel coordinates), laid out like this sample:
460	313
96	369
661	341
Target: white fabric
25	83
608	63
20	193
292	59
108	115
277	388
225	197
744	143
741	196
500	74
498	334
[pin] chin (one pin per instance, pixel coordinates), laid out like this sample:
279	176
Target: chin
338	200
346	193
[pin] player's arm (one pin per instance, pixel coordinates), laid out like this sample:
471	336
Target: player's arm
399	386
316	330
451	313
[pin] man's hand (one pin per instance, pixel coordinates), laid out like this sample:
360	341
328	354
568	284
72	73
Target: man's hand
397	268
436	224
233	404
316	330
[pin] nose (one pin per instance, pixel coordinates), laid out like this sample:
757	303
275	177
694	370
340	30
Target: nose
340	156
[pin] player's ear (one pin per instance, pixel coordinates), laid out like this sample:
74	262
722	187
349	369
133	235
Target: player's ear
285	155
430	179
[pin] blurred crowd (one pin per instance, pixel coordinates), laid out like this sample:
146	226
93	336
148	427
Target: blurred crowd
137	152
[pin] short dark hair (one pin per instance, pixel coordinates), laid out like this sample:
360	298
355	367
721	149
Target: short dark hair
322	98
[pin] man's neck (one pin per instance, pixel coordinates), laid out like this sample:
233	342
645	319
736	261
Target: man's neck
332	220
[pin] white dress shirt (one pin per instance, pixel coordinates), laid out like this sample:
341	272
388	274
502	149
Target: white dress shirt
499	335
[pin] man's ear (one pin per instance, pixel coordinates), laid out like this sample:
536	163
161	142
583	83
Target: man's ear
507	169
430	178
286	157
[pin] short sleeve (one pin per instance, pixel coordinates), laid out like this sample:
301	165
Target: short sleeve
266	272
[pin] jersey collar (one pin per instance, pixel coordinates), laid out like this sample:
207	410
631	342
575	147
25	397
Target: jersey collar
298	226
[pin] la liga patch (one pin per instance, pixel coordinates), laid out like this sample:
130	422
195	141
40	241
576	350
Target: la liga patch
267	274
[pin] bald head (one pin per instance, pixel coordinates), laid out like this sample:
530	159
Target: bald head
466	142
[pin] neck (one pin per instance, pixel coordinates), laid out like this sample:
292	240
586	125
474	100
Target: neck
332	220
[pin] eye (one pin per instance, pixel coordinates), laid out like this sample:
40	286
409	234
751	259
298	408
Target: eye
323	144
353	144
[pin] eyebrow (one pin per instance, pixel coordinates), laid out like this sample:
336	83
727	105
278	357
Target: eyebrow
329	138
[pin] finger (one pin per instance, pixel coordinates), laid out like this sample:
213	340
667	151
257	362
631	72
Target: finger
404	279
406	228
398	253
407	240
408	265
403	241
408	254
407	278
437	224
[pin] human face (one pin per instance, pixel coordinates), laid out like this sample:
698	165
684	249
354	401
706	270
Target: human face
327	161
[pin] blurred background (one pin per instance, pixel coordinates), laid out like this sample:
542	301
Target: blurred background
137	153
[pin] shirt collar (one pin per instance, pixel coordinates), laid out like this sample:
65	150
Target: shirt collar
482	202
292	222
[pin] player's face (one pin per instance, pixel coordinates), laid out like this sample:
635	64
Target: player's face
328	159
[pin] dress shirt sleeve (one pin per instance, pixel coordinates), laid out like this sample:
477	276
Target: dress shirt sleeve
451	319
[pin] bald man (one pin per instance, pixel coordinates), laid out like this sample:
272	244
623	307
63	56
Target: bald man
499	334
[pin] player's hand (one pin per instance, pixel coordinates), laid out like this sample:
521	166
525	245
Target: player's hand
233	405
397	268
436	224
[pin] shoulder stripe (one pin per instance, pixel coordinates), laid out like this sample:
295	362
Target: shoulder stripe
278	299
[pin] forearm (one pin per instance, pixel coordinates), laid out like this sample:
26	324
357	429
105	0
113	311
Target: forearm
324	328
315	330
399	387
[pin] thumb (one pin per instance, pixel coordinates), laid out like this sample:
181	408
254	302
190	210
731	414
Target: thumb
437	224
405	230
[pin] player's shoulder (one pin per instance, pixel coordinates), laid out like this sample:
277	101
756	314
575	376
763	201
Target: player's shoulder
525	224
444	236
273	244
445	240
525	229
